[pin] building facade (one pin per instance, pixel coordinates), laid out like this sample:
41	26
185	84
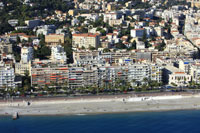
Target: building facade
55	39
137	32
85	40
58	54
26	54
7	78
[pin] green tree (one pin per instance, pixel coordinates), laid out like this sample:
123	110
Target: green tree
91	48
105	50
120	45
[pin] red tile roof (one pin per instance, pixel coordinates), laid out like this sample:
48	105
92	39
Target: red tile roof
86	35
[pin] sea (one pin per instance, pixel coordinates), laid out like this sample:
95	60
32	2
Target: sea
187	121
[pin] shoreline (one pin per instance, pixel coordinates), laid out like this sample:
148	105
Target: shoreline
101	113
85	106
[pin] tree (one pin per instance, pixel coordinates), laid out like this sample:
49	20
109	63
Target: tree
133	46
82	47
146	80
18	40
91	48
105	50
17	52
26	82
161	47
134	81
174	84
103	32
120	45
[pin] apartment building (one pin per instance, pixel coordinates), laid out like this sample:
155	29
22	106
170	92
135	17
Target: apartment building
7	77
55	39
85	40
90	78
103	76
48	74
108	76
22	68
194	3
87	58
33	23
185	65
195	72
137	32
81	77
138	72
156	72
113	22
58	54
26	54
140	45
159	31
111	16
5	47
13	22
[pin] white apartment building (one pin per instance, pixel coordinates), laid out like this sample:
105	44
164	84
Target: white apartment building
92	17
158	31
7	77
140	45
195	72
111	16
140	71
58	54
13	22
137	32
26	54
86	40
156	72
87	58
185	65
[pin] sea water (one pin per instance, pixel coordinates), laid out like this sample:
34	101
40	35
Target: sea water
143	122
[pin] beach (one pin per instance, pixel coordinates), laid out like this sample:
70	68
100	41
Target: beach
98	104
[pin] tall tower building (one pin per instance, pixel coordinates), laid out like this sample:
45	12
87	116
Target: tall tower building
26	54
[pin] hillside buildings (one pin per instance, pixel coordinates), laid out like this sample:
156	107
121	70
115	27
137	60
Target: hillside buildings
104	44
85	40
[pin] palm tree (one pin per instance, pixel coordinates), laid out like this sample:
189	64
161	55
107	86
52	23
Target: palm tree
133	81
146	80
46	88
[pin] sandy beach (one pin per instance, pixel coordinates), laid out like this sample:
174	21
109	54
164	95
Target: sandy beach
114	104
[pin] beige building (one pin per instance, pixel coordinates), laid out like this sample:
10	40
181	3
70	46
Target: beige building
22	68
113	22
72	12
86	40
5	48
54	38
111	7
176	76
194	3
